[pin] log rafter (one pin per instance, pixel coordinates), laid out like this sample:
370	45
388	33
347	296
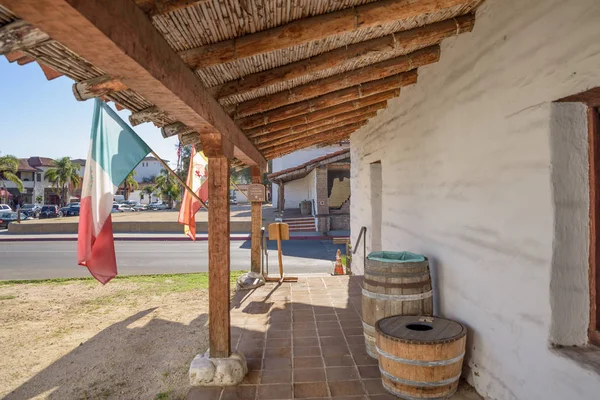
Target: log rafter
314	28
297	129
386	47
334	83
329	100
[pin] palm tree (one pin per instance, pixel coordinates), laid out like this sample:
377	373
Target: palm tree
129	184
63	174
149	190
9	165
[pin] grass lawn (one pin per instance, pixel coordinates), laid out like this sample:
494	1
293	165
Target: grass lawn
76	339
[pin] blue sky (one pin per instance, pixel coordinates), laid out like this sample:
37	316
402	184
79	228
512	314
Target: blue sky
42	118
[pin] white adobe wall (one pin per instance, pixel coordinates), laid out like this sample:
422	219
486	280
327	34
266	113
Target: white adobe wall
467	156
300	157
147	169
297	191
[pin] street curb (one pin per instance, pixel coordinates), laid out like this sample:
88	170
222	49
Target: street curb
153	239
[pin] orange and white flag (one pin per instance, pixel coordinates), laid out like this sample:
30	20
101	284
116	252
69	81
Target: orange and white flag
198	182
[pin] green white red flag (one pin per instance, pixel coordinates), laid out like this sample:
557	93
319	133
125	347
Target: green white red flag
115	150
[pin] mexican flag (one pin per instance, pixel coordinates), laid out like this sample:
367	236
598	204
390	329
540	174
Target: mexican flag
115	150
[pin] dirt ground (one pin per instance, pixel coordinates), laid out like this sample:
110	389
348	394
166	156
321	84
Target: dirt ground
133	338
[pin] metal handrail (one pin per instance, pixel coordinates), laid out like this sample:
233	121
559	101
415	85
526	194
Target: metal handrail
363	231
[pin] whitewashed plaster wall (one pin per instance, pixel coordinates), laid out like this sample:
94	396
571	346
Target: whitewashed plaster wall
467	180
300	157
297	191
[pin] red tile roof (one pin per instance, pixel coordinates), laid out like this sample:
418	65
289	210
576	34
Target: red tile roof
41	162
24	166
308	163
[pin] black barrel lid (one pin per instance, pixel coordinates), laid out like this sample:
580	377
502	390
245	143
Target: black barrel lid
420	329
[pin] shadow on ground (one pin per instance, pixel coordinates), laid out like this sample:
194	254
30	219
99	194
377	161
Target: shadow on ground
112	364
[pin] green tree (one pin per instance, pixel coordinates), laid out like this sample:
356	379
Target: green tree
129	184
9	165
63	174
149	190
168	188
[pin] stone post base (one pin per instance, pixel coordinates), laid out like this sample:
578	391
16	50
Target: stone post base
206	371
250	280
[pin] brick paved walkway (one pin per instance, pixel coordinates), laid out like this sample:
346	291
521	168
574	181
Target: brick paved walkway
303	341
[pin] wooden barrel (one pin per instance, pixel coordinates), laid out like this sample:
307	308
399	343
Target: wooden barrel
394	284
420	357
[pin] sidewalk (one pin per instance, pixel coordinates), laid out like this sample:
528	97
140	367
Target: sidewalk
5	236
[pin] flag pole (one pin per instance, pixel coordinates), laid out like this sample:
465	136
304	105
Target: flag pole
238	189
181	182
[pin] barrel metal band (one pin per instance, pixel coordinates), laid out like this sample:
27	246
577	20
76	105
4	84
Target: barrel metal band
420	363
407	297
407	397
418	383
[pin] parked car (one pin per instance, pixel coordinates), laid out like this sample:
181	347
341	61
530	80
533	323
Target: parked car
31	210
121	208
71	209
157	206
5	208
50	211
140	207
10	217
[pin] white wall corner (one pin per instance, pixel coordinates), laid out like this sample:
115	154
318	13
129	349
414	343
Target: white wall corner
569	283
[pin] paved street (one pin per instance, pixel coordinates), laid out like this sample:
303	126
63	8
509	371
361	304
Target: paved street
39	260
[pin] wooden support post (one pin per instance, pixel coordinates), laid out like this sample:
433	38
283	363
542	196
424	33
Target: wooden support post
281	196
255	256
218	258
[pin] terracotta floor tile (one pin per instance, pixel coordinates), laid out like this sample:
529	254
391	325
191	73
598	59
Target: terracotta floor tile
386	396
277	363
254	364
352	331
374	386
310	390
330	332
325	317
307	351
346	388
309	375
299	333
364	359
357	339
304	318
335	350
251	378
339	361
341	374
330	340
278	352
204	393
369	371
280	326
308	362
283	342
278	335
277	391
305	341
243	392
328	325
276	376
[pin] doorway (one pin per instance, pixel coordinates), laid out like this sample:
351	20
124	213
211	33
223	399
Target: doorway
376	205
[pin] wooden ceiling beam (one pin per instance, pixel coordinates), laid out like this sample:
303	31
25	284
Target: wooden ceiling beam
292	147
319	136
97	87
314	28
329	100
121	41
361	119
337	82
324	124
159	7
20	35
398	43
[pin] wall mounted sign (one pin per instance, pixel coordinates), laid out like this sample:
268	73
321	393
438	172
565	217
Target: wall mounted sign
256	192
